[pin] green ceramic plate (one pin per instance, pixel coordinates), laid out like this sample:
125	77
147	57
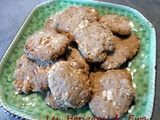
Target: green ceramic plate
142	66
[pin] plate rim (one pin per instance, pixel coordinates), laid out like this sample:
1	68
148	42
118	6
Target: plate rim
24	23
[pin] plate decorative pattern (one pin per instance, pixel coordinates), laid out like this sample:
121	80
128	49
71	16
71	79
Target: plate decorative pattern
142	66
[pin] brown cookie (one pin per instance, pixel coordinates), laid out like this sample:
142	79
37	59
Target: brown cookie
76	57
117	57
46	45
93	41
117	24
133	43
49	23
30	77
68	19
113	93
94	77
125	48
50	101
70	86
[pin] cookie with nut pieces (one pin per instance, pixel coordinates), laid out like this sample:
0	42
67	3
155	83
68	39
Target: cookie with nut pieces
113	93
70	86
93	41
46	45
117	24
30	77
68	19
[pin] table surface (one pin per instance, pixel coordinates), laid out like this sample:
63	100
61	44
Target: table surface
12	16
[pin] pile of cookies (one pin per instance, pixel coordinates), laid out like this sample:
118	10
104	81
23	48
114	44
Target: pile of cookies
76	59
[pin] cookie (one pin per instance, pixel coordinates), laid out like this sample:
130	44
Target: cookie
117	24
45	45
125	48
49	23
94	77
70	86
117	57
133	43
50	101
30	77
93	41
68	19
113	93
75	56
